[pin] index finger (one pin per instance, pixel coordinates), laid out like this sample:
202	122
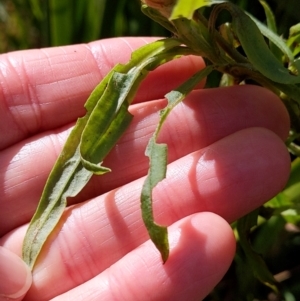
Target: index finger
45	89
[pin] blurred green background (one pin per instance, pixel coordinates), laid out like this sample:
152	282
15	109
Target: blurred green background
41	23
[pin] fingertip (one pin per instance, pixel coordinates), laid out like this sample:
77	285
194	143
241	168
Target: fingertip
275	109
15	276
200	255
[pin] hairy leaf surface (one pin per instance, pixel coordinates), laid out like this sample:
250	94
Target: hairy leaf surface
157	154
92	138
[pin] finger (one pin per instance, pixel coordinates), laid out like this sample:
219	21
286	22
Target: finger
15	276
44	89
202	248
230	177
205	117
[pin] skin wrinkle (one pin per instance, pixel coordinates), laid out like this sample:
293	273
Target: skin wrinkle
113	221
159	277
118	219
14	170
212	180
212	114
127	44
195	176
58	93
178	114
54	143
69	267
29	90
70	270
88	260
88	239
203	121
60	84
100	54
175	212
6	100
31	96
252	144
111	284
103	57
146	266
48	64
258	190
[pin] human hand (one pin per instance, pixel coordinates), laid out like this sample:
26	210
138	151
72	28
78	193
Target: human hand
226	155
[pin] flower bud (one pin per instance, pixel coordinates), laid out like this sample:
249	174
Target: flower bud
165	7
159	3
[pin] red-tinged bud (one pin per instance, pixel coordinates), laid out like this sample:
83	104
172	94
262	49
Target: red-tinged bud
159	3
165	7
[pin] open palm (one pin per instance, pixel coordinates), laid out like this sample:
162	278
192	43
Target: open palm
226	157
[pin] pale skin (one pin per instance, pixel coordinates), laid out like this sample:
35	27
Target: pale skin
227	157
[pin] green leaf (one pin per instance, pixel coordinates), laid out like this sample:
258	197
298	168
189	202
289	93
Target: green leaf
186	8
295	173
157	154
271	24
294	39
155	15
292	91
274	39
67	178
255	47
294	30
92	138
254	260
109	120
270	16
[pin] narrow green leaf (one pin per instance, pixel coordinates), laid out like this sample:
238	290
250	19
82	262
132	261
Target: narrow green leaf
271	24
270	16
157	154
254	260
67	178
274	38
